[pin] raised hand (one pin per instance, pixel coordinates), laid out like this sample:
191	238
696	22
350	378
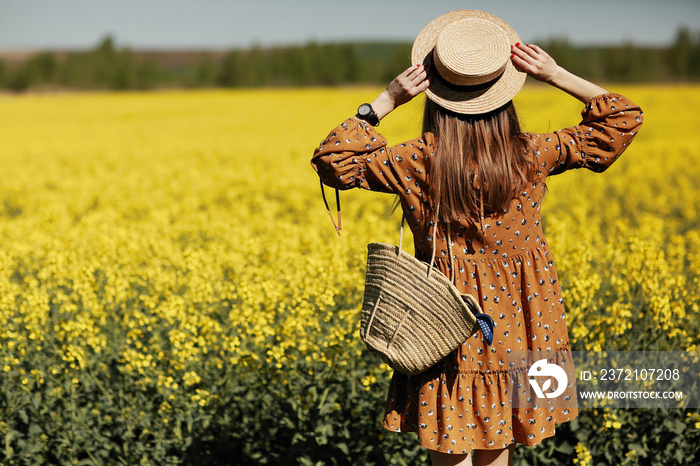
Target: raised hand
537	63
408	84
402	89
534	61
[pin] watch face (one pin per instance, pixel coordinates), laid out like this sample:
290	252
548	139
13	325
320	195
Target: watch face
365	109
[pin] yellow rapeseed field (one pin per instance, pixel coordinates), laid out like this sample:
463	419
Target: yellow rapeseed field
167	237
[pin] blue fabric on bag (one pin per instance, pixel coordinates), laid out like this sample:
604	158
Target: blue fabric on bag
486	324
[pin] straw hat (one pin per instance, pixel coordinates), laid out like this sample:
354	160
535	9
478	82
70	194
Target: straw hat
469	52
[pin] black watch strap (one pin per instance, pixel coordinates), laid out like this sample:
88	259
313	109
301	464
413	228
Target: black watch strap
367	113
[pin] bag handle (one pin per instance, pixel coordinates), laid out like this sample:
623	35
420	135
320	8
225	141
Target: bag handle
337	226
484	321
432	258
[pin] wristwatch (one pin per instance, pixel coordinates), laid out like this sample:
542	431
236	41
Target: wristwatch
367	113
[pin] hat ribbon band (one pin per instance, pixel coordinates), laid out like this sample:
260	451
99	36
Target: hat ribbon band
472	88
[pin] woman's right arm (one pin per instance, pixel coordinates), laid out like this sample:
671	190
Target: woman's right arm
609	121
538	64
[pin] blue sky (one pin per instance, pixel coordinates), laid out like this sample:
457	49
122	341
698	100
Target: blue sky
220	24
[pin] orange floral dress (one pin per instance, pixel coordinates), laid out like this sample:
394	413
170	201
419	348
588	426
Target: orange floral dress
503	260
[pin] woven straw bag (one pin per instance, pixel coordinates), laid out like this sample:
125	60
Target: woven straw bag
412	318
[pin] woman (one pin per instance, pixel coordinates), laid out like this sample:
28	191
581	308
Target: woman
488	180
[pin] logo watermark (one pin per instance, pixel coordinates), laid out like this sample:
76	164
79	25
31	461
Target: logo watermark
543	368
614	379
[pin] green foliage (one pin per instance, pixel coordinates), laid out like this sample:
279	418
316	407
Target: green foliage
315	64
683	57
3	73
306	414
310	414
105	67
647	437
39	70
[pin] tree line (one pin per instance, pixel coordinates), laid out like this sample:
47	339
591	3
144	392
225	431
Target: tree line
109	67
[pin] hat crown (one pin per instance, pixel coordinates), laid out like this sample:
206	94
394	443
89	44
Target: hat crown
471	64
471	51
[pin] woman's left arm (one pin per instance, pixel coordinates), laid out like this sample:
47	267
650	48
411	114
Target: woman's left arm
355	155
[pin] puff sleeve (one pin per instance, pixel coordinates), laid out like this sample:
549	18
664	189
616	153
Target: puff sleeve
355	155
609	124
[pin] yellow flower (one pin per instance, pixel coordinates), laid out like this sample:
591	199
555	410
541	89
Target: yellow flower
583	456
368	381
191	378
158	228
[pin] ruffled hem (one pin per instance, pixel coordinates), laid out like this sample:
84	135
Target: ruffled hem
454	411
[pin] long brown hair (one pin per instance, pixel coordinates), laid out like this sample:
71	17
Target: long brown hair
480	162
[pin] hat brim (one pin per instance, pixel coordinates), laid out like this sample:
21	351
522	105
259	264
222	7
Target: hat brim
472	103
